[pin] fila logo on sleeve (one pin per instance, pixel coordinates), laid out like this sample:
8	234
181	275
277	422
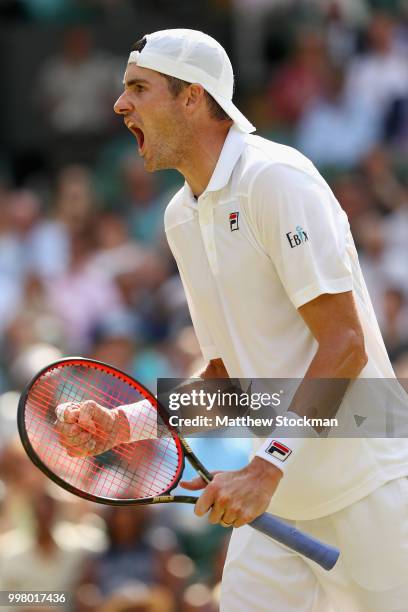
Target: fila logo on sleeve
278	450
233	221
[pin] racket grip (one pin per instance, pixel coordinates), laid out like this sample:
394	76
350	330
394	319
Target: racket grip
308	546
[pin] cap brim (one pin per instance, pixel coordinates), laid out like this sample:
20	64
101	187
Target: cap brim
238	118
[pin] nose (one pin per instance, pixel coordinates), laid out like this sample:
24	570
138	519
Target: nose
122	104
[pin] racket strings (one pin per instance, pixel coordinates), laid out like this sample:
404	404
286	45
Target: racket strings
147	424
147	458
137	470
151	468
148	427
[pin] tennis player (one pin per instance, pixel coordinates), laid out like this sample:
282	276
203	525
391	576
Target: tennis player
275	290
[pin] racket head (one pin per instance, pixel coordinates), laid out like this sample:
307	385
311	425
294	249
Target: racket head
135	473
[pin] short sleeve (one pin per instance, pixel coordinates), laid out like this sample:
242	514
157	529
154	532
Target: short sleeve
302	228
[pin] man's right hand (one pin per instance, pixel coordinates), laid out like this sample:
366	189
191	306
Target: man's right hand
87	428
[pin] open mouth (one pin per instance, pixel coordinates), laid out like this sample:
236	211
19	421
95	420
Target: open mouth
139	135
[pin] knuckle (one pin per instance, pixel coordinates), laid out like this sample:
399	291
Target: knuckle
233	510
246	517
213	486
222	499
225	499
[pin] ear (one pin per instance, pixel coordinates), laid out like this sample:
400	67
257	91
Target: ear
194	96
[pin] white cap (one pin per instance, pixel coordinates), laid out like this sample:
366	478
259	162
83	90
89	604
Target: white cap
194	57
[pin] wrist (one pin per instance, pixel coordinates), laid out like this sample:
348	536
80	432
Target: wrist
142	420
265	470
282	450
122	426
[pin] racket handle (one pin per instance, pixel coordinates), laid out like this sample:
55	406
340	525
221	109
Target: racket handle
308	546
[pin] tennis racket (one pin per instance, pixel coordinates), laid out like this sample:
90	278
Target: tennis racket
141	472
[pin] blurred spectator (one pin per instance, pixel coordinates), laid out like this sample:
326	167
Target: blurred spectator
396	125
76	90
8	423
11	263
143	204
45	559
130	555
401	367
75	200
82	295
336	130
381	181
113	340
32	323
389	196
152	363
249	16
353	12
20	478
31	360
116	253
350	190
380	75
71	212
44	239
172	304
370	236
299	80
396	231
395	320
136	597
340	33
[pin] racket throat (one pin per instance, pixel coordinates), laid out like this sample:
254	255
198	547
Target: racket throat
205	476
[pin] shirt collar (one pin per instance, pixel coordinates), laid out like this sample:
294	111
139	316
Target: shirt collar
230	153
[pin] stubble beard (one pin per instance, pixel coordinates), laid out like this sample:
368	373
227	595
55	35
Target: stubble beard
163	157
166	155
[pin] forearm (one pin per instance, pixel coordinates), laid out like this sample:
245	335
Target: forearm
215	368
318	396
329	374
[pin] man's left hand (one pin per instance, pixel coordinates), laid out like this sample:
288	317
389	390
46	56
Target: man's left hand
236	498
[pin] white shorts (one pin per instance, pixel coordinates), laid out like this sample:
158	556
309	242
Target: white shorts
371	575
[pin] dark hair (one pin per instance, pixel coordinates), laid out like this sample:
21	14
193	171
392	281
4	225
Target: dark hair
176	86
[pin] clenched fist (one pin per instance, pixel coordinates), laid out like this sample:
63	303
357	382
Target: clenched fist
87	428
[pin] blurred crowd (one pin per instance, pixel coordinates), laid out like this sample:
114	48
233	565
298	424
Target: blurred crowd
85	268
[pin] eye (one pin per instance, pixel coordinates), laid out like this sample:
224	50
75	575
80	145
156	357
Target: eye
139	88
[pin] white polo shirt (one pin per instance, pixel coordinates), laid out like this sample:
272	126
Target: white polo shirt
265	237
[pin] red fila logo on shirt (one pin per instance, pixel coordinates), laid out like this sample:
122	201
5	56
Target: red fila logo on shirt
233	219
278	450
